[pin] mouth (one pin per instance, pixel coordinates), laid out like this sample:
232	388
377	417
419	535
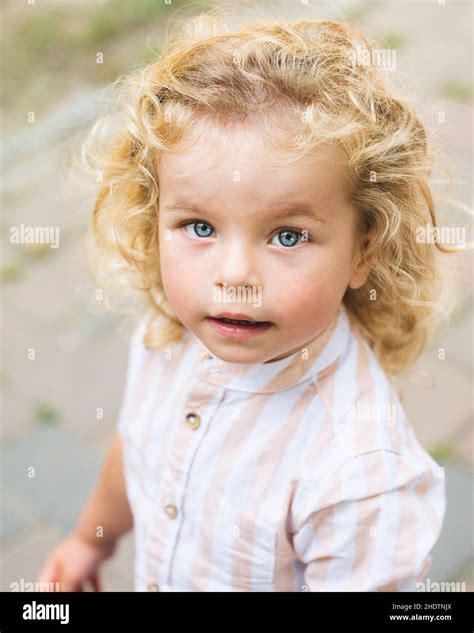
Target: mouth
238	327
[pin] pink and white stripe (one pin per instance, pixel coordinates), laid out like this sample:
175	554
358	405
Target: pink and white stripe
283	485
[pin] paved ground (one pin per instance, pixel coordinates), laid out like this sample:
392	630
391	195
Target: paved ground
49	403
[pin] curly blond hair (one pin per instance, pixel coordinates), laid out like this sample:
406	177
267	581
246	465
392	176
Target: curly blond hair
307	67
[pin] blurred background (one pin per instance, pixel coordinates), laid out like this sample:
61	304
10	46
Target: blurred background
64	360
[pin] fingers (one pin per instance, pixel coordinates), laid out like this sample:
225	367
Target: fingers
47	573
96	583
69	584
52	581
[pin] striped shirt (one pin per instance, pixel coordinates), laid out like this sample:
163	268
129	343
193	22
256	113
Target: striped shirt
301	474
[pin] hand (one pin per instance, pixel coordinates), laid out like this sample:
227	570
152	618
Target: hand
73	563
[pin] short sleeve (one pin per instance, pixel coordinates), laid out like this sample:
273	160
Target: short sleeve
137	355
372	524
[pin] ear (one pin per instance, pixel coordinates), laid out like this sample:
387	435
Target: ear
362	265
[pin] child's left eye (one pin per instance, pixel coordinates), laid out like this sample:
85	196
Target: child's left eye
289	237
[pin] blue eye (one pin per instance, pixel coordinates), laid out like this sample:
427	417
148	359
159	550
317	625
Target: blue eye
288	238
200	229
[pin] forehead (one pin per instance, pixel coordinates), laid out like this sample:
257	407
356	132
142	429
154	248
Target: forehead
215	161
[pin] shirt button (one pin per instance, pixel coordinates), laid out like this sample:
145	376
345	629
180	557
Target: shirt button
153	586
193	421
171	510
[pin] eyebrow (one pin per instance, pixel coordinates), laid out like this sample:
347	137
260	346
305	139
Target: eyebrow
288	211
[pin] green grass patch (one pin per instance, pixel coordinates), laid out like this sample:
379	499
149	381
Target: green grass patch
445	452
359	10
46	414
117	16
50	44
456	90
12	271
391	40
37	251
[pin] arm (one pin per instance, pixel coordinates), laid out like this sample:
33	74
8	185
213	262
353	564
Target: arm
75	561
107	515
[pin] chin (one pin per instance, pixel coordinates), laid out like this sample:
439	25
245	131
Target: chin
244	357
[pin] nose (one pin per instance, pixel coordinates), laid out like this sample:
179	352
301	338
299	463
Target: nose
237	265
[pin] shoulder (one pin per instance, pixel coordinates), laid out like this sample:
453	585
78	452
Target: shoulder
151	369
146	364
140	351
366	479
398	497
373	448
362	403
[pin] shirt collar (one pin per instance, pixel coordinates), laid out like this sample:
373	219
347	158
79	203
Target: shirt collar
320	355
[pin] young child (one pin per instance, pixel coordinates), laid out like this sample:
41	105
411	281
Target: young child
264	446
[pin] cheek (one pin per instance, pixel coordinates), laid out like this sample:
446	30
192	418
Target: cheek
312	301
175	274
314	293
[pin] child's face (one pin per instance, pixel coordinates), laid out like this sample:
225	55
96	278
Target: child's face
241	231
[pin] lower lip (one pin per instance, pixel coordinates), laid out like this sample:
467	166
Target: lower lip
237	331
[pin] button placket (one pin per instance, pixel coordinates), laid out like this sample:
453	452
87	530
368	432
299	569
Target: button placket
173	490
